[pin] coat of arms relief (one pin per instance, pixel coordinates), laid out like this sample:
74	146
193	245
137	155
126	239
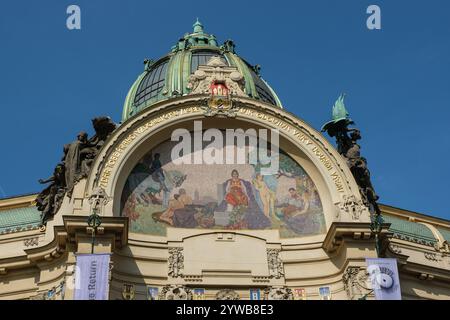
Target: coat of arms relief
221	83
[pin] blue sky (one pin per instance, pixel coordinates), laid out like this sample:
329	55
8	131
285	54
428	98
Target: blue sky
53	80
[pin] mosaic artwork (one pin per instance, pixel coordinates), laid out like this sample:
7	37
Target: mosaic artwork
160	194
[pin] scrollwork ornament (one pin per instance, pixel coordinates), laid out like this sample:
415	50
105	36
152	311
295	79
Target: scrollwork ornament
356	282
175	292
275	263
227	294
278	293
352	206
176	262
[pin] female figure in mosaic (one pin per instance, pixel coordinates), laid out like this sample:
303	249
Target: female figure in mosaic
266	194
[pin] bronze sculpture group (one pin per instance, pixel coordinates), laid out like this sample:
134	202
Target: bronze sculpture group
348	147
75	165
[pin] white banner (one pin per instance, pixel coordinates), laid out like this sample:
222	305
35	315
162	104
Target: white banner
92	277
384	278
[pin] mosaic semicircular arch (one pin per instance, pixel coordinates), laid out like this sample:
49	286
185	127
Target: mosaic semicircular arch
160	194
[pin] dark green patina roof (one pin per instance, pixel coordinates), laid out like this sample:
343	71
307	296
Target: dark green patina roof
19	219
168	77
410	231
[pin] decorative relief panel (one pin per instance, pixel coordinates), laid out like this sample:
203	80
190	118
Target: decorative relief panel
278	293
395	248
176	262
215	72
31	242
351	206
356	282
175	292
443	246
227	294
275	264
432	256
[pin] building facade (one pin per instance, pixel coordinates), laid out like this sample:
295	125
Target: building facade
176	219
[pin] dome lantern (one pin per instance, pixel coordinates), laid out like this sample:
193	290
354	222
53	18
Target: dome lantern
198	27
168	77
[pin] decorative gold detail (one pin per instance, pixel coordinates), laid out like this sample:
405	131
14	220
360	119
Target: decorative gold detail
301	137
295	131
128	291
115	156
219	105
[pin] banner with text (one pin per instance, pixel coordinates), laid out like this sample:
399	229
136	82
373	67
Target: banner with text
92	277
384	278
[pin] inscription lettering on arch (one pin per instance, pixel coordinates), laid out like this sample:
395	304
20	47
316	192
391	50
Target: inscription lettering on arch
302	138
291	130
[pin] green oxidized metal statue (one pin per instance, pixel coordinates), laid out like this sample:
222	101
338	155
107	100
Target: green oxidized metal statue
346	140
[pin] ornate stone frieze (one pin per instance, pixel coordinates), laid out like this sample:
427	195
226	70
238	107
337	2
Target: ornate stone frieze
176	262
31	242
175	292
192	278
227	294
443	246
225	107
275	264
356	282
278	293
221	83
351	206
395	248
216	71
261	279
409	238
432	256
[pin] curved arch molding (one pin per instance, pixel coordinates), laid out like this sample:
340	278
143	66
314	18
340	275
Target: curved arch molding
120	147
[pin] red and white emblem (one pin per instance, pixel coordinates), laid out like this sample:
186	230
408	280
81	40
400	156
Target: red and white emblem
219	89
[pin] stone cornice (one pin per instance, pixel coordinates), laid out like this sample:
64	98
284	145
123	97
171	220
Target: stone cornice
17	202
116	227
340	231
112	227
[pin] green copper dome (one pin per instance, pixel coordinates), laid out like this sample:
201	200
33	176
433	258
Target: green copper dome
168	77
